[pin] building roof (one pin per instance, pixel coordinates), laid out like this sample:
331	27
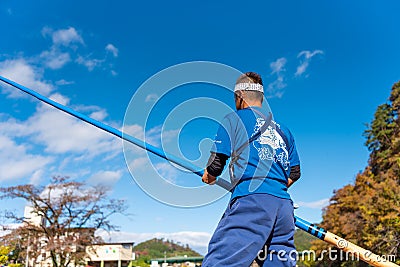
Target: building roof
114	243
179	259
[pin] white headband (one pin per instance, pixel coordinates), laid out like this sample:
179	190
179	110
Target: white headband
249	87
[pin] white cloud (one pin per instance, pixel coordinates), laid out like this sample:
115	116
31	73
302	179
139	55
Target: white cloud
60	133
55	59
278	65
318	204
99	115
88	108
53	191
28	147
138	163
64	82
10	127
64	44
57	97
275	88
301	68
151	98
306	55
153	137
46	31
7	228
167	171
157	134
20	71
105	177
64	37
90	64
36	177
170	135
112	49
135	130
141	166
196	240
16	161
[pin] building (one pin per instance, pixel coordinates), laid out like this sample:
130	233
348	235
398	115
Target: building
74	243
110	255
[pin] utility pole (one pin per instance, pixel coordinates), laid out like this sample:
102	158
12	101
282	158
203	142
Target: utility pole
27	251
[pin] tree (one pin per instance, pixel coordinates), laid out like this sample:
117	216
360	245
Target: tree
4	252
11	254
368	211
64	216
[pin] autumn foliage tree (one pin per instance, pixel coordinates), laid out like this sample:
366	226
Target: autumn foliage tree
4	253
69	213
368	211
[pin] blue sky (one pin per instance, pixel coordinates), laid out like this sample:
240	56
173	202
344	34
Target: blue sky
326	67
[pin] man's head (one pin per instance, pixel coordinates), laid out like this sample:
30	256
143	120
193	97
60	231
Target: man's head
249	90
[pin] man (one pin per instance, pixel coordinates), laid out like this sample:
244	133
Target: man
264	163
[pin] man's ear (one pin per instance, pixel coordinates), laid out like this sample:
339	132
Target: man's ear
240	94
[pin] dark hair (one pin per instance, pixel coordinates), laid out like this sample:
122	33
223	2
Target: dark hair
251	77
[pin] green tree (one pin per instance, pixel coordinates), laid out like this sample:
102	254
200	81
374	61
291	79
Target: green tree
302	240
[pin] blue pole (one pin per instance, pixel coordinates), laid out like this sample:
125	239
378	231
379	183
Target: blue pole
300	223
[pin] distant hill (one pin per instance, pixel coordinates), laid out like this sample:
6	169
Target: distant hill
155	248
302	240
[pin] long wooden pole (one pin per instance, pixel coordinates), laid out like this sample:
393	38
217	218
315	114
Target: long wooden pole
355	251
310	228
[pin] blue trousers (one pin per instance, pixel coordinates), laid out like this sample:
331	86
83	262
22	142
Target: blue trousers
249	224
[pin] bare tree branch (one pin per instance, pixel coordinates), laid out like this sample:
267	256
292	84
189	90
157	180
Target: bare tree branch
71	213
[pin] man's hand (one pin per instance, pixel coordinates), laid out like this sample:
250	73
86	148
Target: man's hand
208	178
290	182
